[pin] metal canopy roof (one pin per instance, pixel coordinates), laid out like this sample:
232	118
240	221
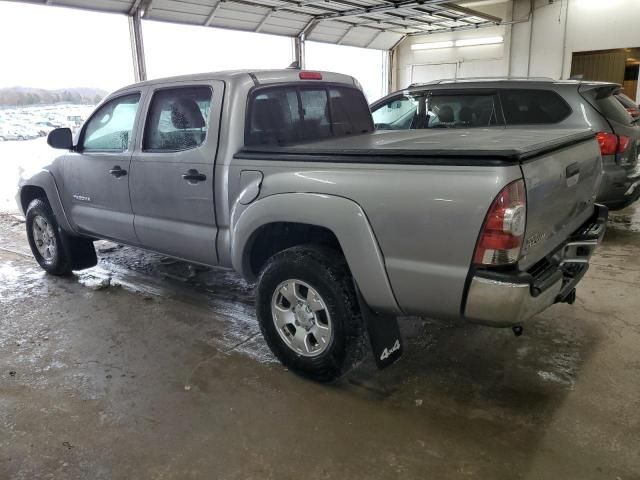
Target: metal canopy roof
376	24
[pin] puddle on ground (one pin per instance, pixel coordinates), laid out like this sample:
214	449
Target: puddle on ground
227	295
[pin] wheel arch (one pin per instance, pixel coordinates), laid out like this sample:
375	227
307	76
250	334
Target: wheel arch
313	218
28	194
43	185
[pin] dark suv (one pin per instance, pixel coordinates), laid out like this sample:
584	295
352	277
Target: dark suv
515	103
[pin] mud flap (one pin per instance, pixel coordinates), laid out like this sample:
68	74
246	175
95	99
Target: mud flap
384	334
80	251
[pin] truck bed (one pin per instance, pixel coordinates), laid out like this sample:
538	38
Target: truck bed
438	185
450	146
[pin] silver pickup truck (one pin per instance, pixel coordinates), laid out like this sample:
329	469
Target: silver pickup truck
280	176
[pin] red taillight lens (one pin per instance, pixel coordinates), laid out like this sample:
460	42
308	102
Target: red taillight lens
610	143
502	234
623	143
310	76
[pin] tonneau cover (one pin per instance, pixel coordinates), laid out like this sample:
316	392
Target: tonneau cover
511	145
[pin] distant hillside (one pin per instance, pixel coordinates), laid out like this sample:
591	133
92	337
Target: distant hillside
20	96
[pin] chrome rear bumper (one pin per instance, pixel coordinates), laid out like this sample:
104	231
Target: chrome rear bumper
506	299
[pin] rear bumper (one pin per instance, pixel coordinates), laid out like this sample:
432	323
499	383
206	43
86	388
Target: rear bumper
503	299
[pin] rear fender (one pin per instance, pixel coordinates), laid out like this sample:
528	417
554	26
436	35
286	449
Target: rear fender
341	216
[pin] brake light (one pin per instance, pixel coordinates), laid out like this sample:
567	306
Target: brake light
610	143
310	76
503	230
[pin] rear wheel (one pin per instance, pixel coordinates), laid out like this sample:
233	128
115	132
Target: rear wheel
308	312
57	252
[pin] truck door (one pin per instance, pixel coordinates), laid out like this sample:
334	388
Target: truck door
96	176
172	171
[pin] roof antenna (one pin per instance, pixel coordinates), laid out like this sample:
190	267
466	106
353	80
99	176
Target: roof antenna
294	65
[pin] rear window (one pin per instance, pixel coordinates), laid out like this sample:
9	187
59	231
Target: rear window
533	107
291	114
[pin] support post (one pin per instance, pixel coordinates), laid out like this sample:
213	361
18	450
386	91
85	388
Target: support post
390	76
298	51
137	46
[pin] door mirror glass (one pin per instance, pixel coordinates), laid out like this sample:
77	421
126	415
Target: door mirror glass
60	138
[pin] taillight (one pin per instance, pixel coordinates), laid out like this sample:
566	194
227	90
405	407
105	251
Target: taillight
623	143
503	230
310	76
610	143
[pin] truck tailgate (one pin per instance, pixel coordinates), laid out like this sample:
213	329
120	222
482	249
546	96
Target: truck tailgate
561	190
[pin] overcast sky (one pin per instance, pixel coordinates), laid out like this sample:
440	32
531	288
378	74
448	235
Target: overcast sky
49	47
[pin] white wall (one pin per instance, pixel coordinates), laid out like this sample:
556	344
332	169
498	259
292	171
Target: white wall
590	25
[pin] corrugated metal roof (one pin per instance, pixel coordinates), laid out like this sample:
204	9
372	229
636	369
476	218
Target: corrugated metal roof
376	24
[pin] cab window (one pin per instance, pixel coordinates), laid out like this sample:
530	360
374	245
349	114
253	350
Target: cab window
291	114
177	119
110	128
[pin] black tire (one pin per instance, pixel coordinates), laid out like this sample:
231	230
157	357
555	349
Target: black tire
69	252
326	271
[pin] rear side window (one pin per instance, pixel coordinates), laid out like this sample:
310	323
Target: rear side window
462	111
533	107
177	119
291	114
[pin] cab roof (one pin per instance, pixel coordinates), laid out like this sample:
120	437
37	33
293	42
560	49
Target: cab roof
258	77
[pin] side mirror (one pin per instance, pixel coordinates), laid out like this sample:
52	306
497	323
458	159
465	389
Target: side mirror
60	138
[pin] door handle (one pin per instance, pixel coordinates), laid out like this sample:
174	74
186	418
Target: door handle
572	170
193	176
118	172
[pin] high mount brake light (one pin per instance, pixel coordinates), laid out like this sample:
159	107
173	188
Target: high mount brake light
503	230
310	75
610	143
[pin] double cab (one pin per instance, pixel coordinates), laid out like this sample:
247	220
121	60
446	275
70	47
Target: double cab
280	176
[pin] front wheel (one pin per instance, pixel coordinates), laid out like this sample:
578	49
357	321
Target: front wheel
45	239
308	312
57	252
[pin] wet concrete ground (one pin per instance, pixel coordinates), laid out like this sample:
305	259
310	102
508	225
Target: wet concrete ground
147	368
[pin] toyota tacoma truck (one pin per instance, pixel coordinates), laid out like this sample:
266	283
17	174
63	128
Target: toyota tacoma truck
280	176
